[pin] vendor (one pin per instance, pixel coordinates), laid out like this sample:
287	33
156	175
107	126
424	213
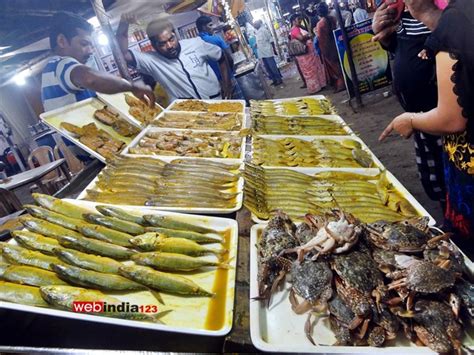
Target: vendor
181	67
206	32
66	79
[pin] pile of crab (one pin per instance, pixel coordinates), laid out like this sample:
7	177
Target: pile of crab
372	281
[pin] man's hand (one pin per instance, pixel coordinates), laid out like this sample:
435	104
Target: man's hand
129	18
227	90
384	22
144	93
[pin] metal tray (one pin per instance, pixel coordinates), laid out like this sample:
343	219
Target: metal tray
117	101
159	129
80	114
378	163
279	329
189	313
238	205
397	184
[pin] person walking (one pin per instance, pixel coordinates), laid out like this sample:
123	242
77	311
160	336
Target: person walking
310	63
329	54
266	52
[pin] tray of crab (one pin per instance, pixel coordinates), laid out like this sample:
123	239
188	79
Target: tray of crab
369	194
169	184
323	287
175	272
312	151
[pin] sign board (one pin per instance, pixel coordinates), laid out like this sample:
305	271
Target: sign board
370	59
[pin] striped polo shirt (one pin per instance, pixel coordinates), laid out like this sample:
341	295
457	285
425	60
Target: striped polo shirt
57	89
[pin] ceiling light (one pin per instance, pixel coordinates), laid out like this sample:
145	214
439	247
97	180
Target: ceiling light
20	78
102	39
296	6
94	21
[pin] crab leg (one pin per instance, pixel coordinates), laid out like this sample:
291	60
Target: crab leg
355	322
308	329
363	329
397	284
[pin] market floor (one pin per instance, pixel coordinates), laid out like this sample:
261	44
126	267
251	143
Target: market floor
398	155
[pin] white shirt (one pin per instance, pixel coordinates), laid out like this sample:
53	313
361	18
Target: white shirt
347	17
360	15
190	75
264	42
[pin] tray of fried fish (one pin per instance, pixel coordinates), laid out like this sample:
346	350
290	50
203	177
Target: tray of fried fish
172	184
194	105
134	110
93	126
304	105
312	151
220	121
368	194
188	143
167	271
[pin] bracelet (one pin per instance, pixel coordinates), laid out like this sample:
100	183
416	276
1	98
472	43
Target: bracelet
412	116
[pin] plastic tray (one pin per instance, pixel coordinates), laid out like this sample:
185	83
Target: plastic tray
80	114
189	313
378	163
238	205
117	101
391	178
279	329
159	129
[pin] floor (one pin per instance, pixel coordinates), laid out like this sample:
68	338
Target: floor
368	121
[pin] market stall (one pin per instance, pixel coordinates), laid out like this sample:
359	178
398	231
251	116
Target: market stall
163	226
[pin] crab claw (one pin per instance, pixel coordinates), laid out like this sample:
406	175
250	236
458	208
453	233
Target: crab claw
308	329
455	303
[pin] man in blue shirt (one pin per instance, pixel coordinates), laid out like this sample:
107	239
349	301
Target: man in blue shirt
204	26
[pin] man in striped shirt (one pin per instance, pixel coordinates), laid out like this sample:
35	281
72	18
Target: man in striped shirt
66	79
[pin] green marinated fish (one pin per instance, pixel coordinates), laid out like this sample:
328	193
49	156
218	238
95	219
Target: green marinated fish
35	241
163	282
115	223
28	295
121	214
88	261
99	247
106	235
18	255
174	262
28	275
173	223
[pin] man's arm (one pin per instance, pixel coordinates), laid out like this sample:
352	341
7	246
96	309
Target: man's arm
85	77
122	35
226	82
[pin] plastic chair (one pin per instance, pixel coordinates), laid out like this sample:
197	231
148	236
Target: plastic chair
75	166
44	155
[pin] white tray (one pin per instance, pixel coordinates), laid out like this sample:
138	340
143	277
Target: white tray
279	329
170	107
317	97
189	313
335	118
80	114
160	129
391	178
238	205
243	120
117	101
377	162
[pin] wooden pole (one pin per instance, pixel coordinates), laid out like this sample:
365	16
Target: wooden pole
101	14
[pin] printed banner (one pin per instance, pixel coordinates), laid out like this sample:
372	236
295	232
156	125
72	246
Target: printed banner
370	59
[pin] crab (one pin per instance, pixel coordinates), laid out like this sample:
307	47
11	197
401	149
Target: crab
340	316
446	253
409	236
424	277
310	280
436	326
333	236
465	291
277	236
